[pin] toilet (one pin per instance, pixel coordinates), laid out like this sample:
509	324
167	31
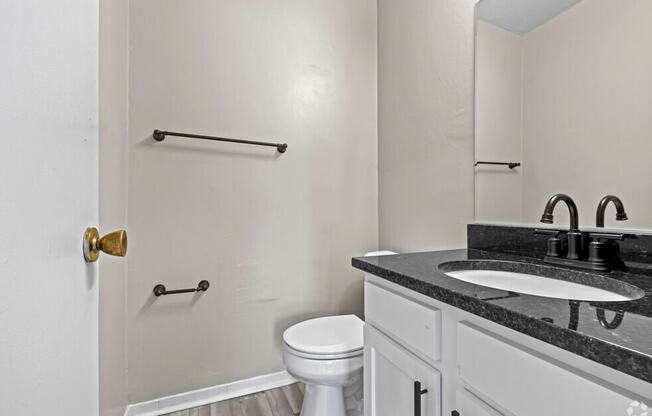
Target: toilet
326	354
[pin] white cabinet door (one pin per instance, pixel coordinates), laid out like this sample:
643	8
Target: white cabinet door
396	382
467	404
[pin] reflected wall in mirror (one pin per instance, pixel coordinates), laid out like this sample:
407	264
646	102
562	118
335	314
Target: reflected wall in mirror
565	88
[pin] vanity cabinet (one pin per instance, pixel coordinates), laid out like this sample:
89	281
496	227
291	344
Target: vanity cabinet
473	367
396	381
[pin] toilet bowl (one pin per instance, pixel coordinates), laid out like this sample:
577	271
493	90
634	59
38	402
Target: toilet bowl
326	354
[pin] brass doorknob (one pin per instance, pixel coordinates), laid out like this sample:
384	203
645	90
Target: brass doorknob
114	244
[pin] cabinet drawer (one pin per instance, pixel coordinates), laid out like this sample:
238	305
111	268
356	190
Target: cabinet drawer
527	384
415	326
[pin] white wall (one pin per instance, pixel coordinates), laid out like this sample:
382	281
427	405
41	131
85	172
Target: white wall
425	121
587	121
274	234
114	18
499	122
48	196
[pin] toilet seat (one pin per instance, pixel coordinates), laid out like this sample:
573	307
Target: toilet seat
327	338
310	356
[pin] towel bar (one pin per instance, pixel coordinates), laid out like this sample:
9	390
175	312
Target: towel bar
159	136
160	290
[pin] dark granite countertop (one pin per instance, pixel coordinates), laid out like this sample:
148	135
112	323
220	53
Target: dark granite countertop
569	324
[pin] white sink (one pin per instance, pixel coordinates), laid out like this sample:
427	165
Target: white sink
537	285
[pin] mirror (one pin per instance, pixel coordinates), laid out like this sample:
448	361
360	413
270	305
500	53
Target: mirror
563	88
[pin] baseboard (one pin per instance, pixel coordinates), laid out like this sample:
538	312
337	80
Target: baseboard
208	395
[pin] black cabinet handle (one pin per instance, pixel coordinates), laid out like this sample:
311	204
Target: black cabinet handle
455	413
418	392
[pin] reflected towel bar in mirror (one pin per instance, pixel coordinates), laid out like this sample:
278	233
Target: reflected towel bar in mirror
160	290
159	136
510	165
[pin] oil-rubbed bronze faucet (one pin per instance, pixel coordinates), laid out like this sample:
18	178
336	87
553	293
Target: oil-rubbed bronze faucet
621	215
602	250
574	234
547	216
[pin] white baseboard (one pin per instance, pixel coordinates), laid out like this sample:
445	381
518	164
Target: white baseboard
208	395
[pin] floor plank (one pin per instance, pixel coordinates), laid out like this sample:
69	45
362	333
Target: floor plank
263	404
180	413
235	406
251	406
200	411
294	396
282	401
278	403
220	409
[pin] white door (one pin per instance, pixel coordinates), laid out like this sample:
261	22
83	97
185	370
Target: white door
391	374
48	196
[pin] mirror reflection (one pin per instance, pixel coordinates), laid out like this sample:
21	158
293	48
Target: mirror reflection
564	95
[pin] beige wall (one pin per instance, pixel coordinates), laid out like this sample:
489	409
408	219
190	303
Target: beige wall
274	234
425	114
113	192
499	127
587	121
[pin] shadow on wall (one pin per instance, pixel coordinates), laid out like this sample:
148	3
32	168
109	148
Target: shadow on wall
171	304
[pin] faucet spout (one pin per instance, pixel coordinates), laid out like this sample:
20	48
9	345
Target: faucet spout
547	217
621	215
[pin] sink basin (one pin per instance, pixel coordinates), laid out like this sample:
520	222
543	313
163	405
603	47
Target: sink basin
551	282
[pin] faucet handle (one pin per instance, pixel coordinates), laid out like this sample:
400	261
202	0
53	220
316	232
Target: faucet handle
599	252
607	236
554	243
543	231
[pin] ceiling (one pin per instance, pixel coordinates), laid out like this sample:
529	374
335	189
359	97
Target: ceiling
521	16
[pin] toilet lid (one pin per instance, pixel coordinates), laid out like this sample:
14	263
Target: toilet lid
327	335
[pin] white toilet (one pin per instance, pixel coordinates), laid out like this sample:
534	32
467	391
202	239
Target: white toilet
326	354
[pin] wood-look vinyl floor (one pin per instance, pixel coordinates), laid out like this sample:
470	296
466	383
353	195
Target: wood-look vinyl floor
283	401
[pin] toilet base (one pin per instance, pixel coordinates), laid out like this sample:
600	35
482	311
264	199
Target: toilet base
323	401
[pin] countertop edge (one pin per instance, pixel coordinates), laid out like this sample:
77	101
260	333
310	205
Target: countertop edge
625	360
